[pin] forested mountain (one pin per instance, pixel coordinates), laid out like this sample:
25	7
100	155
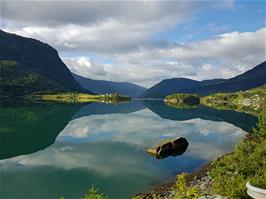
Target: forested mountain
102	86
250	79
28	65
17	79
30	57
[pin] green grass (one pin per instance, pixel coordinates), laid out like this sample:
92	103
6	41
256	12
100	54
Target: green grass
68	97
251	101
246	163
231	172
183	191
93	193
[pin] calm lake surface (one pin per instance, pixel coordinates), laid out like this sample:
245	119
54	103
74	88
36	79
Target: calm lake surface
50	150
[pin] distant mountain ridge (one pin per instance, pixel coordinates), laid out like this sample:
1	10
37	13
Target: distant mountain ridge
28	65
250	79
103	86
36	58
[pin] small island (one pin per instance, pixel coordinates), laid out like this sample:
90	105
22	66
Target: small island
182	100
250	101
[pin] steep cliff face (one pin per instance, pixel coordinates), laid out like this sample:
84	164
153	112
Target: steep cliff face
37	57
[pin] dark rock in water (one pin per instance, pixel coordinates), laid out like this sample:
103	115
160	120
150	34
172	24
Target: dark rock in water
168	148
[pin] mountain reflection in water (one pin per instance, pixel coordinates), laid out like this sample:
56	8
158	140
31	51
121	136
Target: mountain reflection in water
75	146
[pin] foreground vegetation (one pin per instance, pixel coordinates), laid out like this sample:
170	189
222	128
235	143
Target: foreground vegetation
68	97
230	173
92	193
246	163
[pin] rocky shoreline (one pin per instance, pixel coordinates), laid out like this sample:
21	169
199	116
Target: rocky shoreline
198	178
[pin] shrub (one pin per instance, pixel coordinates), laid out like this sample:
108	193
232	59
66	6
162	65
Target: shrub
183	191
93	193
246	163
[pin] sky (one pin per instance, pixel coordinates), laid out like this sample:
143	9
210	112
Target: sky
145	42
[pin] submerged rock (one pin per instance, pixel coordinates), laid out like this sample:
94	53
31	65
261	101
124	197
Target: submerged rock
167	148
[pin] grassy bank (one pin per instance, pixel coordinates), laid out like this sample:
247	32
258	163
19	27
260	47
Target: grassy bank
80	98
247	163
251	101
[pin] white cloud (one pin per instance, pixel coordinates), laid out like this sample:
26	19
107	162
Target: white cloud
78	144
85	67
223	56
124	33
108	36
143	129
95	26
89	12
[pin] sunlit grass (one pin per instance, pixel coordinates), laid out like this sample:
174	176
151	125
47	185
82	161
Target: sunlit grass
246	163
251	101
80	98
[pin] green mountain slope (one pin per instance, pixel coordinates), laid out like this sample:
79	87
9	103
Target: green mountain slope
37	58
17	80
250	79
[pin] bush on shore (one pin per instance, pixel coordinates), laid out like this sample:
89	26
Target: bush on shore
230	173
246	163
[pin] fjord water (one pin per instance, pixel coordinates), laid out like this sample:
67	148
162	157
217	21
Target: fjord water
50	150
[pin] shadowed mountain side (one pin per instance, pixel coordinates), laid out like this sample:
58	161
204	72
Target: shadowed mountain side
97	108
103	86
241	120
18	80
252	78
25	130
35	59
174	85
